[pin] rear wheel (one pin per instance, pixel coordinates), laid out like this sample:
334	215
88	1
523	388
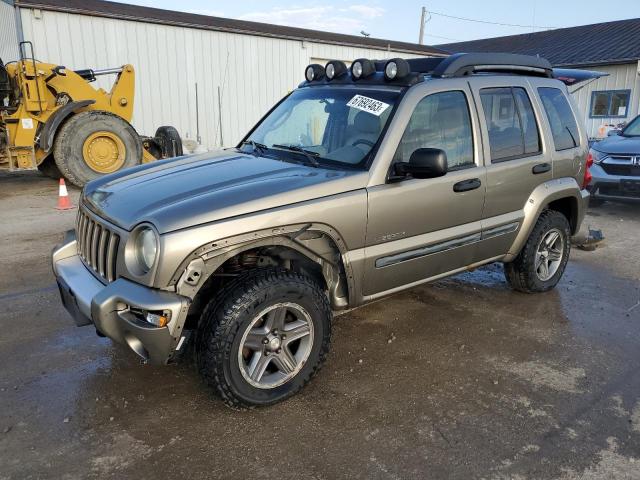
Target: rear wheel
263	337
542	261
91	144
169	141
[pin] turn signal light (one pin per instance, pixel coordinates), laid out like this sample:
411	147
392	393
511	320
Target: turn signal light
157	320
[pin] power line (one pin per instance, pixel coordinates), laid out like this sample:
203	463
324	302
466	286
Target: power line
443	38
488	22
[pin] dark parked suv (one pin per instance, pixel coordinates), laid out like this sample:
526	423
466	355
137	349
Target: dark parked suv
616	166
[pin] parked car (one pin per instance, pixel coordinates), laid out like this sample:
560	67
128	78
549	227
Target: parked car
360	183
616	165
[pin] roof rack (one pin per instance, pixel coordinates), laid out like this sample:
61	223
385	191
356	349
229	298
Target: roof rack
462	64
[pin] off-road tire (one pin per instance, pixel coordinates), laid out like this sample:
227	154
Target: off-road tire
226	317
520	273
169	141
72	135
49	168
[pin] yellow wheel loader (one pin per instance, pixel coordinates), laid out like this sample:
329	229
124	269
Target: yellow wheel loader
52	119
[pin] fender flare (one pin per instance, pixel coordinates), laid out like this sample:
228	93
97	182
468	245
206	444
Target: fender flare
540	198
206	260
49	129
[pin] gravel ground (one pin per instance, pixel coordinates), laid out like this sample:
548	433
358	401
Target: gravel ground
462	378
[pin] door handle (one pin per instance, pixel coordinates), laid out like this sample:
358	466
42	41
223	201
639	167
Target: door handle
541	168
466	185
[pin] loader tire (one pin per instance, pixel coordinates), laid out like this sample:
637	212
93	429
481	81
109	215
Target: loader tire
95	143
169	140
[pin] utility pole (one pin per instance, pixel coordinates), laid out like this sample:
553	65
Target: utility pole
423	18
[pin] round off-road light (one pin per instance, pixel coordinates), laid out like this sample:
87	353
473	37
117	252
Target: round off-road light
396	68
362	68
314	72
335	68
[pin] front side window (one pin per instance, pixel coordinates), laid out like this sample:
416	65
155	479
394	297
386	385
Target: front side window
563	124
440	120
337	126
610	103
511	123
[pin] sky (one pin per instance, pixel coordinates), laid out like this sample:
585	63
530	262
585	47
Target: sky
400	20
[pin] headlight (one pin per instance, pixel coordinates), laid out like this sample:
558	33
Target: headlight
362	68
396	68
146	248
335	69
598	156
314	72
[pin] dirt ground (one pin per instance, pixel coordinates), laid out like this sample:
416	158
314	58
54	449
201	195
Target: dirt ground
477	381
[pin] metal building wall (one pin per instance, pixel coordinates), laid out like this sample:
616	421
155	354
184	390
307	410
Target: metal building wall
252	72
8	32
621	77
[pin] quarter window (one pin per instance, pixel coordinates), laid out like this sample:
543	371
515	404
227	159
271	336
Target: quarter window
610	103
440	120
511	123
561	120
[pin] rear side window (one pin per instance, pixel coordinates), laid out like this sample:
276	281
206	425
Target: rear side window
440	120
563	124
511	123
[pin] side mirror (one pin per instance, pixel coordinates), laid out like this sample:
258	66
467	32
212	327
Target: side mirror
424	163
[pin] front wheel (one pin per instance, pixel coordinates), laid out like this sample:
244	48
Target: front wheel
263	337
542	261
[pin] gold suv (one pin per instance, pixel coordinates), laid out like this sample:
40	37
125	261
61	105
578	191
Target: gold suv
362	182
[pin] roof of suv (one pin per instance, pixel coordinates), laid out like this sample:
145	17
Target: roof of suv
456	65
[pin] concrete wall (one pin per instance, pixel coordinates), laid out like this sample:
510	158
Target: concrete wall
8	33
621	77
252	72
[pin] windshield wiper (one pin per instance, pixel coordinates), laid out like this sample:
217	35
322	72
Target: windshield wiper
309	154
258	148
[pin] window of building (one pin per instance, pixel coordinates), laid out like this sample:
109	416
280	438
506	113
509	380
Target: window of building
610	103
511	123
563	124
440	120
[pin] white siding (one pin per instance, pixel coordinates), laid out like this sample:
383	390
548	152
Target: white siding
8	33
252	72
621	77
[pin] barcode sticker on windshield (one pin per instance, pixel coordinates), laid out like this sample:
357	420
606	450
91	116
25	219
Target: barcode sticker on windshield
366	104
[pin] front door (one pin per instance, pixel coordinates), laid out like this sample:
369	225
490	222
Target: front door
421	228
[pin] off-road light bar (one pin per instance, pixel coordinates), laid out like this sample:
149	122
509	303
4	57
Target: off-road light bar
314	72
362	68
396	68
335	69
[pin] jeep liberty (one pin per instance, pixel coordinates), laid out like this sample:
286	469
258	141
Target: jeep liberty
364	181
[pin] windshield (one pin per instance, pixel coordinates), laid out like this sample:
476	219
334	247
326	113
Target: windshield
331	126
633	129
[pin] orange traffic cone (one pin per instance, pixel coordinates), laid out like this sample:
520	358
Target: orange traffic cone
64	203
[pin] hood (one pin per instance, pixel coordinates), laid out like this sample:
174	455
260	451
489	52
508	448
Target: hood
187	191
617	144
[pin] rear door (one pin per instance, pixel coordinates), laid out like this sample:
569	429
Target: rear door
516	158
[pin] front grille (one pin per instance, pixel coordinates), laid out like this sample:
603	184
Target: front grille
97	246
621	169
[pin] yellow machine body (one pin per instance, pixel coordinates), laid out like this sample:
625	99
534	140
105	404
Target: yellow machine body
42	90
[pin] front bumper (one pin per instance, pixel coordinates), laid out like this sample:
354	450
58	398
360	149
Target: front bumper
613	187
111	307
